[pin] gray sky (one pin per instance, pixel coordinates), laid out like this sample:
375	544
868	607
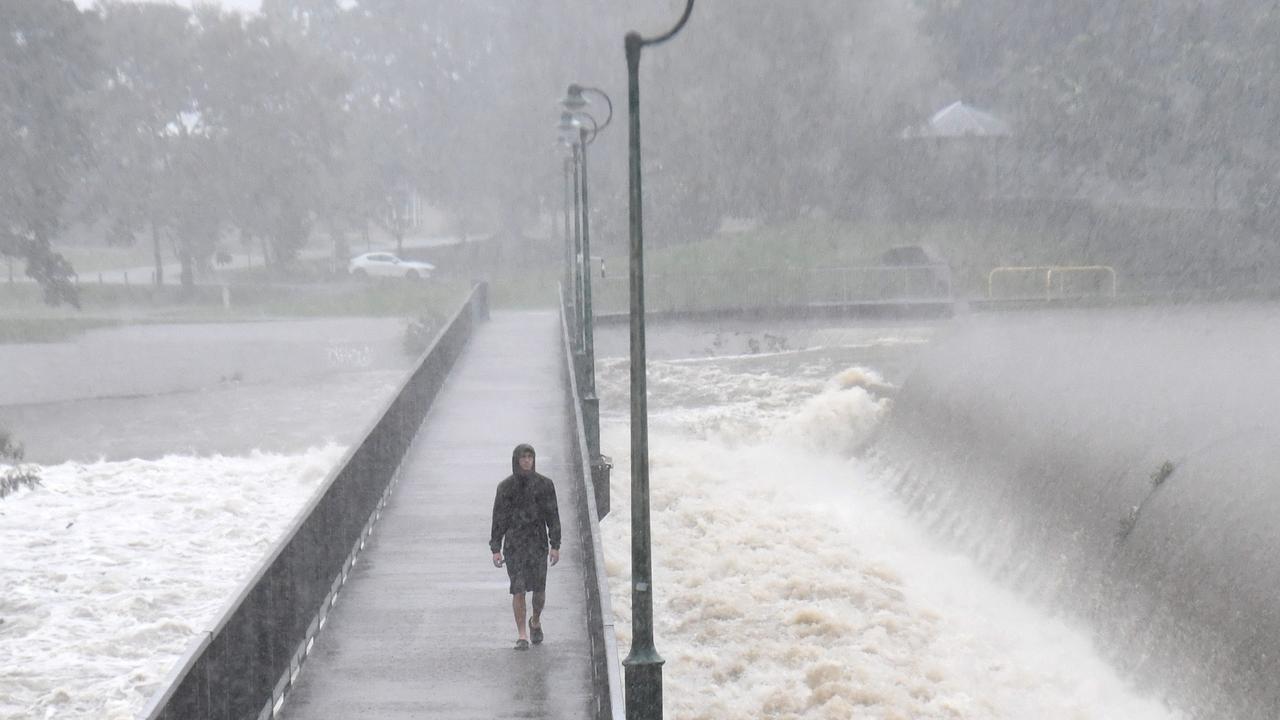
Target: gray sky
241	5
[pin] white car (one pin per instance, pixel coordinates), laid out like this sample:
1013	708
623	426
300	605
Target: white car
381	264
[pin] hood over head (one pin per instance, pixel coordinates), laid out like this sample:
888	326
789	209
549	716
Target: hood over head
515	458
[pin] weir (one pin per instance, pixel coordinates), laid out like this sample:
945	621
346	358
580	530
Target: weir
1118	466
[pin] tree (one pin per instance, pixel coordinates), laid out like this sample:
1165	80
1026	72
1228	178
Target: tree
444	102
1122	90
146	106
48	52
275	110
771	108
379	144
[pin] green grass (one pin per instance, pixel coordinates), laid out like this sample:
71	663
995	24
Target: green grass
390	298
88	260
1154	252
25	318
41	330
762	264
969	246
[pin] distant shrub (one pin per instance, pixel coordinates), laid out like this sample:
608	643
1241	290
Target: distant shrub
418	334
18	476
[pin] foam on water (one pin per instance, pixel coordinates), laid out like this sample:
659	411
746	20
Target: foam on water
111	568
790	583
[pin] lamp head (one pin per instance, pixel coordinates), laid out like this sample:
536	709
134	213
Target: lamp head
568	127
573	100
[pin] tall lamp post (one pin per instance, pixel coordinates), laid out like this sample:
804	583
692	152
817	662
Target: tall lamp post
574	103
643	665
570	127
568	234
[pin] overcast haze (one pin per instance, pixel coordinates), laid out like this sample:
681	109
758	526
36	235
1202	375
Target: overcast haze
962	344
240	5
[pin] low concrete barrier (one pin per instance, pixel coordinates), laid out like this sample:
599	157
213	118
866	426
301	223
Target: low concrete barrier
605	670
243	666
877	291
1118	465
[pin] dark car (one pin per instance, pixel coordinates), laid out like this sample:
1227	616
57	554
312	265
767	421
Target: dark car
923	272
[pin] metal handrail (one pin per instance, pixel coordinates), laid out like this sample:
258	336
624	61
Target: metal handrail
1049	271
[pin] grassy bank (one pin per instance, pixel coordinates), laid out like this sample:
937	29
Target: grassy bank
765	263
91	259
40	330
972	247
1154	253
25	318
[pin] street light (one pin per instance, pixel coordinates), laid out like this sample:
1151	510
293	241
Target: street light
575	116
572	119
570	136
568	235
575	108
643	664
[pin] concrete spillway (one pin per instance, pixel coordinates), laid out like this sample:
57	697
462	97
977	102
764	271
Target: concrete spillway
1123	466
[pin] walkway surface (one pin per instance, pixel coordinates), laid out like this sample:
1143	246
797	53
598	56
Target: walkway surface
423	628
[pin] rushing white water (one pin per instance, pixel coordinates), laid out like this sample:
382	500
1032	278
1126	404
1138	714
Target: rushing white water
790	583
111	568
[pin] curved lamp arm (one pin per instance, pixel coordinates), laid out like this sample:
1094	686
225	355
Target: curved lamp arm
576	89
688	10
595	127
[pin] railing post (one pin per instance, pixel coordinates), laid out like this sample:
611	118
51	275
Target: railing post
601	465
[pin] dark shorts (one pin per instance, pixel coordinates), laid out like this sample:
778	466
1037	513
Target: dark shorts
528	571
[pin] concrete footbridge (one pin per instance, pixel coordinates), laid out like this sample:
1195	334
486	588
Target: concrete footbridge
381	601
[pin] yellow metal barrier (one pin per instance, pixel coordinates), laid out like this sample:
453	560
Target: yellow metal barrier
1050	272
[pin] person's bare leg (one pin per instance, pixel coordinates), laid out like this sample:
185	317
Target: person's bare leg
517	606
539	601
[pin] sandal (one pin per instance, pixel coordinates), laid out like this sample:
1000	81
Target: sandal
522	644
535	634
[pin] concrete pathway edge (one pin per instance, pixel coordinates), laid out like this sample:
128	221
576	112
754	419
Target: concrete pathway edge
605	667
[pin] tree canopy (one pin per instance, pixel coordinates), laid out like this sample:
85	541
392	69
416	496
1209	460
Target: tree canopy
48	50
192	127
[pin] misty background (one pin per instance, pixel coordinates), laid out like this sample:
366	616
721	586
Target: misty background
177	170
1139	133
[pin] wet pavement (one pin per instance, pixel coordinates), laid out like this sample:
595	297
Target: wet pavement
423	628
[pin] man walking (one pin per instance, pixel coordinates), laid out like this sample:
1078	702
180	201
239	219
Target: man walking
526	527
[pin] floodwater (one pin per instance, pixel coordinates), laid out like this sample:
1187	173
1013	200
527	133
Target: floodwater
111	568
789	581
151	390
165	480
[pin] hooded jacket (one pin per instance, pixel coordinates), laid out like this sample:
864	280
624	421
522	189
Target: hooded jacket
525	512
